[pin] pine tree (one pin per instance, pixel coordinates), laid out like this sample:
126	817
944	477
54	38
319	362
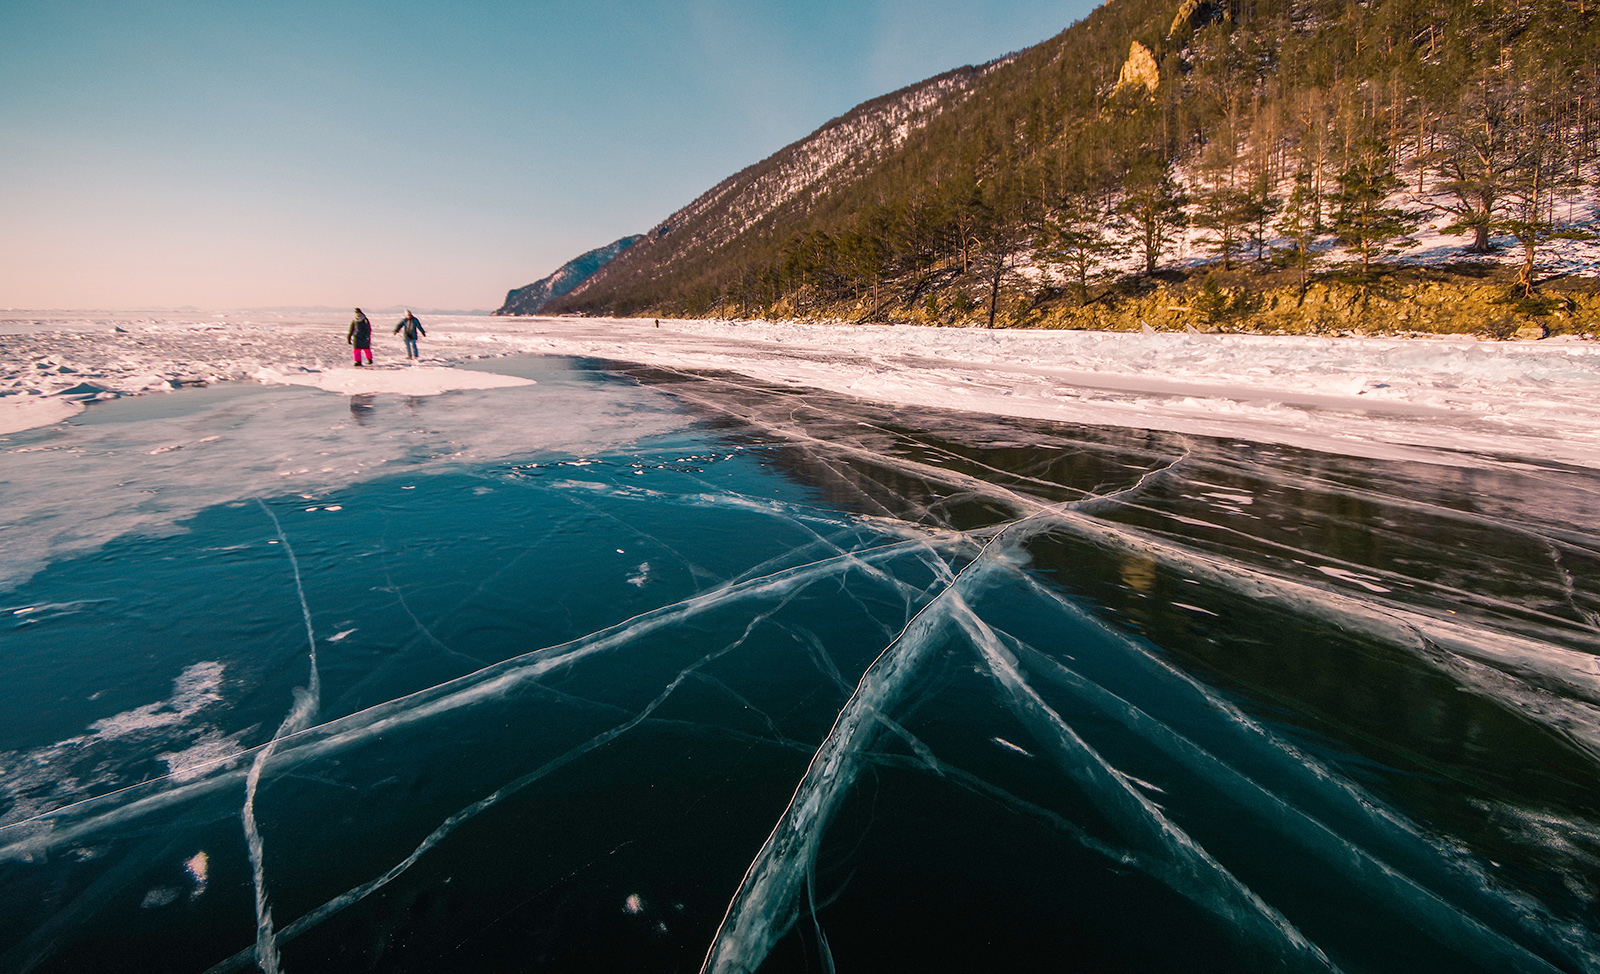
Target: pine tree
1003	232
1301	225
1225	211
1476	162
1153	204
1259	209
1537	170
1363	220
1074	238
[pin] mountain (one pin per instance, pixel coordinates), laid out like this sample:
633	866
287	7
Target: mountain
1188	147
532	299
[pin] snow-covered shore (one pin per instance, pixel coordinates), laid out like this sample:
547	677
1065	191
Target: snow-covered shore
1448	400
53	365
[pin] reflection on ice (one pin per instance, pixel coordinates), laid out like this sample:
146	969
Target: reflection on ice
1376	826
145	465
746	700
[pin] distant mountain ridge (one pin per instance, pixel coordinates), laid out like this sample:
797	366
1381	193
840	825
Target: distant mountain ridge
768	196
533	298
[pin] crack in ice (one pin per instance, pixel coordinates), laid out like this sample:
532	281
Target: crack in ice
306	702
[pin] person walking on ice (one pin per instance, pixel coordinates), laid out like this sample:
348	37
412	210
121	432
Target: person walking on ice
360	337
411	328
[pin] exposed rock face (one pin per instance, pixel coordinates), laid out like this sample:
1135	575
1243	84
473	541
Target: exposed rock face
1185	17
531	300
1439	307
1139	69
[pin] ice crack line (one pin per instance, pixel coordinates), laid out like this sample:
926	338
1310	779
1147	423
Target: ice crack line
492	681
306	701
764	906
449	825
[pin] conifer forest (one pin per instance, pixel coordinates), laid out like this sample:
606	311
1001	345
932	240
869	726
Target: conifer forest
1293	143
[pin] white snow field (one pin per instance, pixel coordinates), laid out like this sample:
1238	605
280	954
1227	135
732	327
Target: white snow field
1457	401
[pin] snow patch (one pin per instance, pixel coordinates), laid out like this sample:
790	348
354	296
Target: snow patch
18	413
412	381
194	689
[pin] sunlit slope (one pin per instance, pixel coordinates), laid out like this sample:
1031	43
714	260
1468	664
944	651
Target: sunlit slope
1049	174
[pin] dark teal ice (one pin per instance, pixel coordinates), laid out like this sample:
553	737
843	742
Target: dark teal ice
642	670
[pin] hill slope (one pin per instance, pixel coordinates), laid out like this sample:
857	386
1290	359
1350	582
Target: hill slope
1310	135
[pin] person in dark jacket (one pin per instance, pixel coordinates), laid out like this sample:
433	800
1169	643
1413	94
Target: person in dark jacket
411	328
360	337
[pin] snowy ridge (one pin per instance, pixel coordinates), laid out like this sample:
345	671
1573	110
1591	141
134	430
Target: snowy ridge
853	143
844	145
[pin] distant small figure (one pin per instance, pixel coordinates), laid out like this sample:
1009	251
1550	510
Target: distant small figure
658	322
360	337
411	328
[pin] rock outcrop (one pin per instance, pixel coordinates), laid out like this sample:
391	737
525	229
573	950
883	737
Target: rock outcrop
1139	69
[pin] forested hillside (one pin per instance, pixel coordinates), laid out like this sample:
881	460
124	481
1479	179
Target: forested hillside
1300	139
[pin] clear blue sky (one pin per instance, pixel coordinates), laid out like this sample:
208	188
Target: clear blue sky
222	154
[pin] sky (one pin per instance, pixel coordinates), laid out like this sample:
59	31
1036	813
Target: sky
219	154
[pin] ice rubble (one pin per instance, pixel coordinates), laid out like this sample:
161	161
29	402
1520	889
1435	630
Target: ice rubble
52	366
1426	399
1449	400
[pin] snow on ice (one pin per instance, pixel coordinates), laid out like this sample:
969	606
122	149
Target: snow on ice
1449	400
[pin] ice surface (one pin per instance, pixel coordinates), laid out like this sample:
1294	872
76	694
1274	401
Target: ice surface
74	487
403	380
751	691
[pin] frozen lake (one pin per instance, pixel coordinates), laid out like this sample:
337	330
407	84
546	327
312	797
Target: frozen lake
640	668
